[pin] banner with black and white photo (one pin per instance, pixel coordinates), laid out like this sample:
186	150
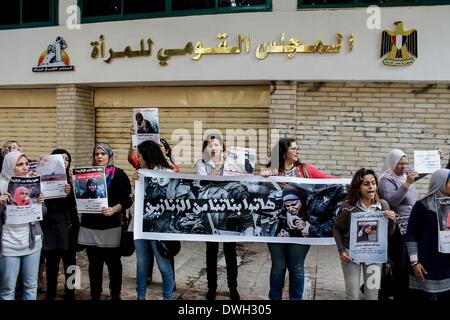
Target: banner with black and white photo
91	193
368	237
172	206
23	206
443	216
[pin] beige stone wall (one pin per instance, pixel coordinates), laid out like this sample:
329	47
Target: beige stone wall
343	126
76	122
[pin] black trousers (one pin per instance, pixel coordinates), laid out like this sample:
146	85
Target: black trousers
97	258
400	265
52	261
212	250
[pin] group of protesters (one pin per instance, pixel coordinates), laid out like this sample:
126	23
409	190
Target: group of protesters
419	270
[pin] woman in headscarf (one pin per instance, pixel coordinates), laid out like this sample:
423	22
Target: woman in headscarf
398	189
91	189
22	197
60	227
20	244
101	233
430	277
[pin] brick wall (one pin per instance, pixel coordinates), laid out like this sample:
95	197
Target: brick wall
342	127
75	122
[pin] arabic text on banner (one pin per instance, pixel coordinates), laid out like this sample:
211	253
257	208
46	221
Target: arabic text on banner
145	125
443	216
52	170
24	206
173	206
90	189
368	237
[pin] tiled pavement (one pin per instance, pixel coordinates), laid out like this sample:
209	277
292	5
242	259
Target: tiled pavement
324	279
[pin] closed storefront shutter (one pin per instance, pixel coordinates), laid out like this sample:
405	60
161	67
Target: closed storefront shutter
29	117
185	113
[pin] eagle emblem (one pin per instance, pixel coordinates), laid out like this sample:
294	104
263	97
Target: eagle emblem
399	45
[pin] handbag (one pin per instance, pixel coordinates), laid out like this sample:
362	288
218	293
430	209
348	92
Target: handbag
168	249
127	238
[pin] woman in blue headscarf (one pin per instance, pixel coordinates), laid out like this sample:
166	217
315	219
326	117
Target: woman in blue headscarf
101	233
430	276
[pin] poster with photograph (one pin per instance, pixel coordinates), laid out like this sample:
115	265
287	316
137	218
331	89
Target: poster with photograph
443	216
173	206
90	189
32	165
52	171
368	237
427	161
239	161
145	125
23	206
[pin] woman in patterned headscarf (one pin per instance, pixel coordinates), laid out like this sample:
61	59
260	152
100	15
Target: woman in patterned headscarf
101	233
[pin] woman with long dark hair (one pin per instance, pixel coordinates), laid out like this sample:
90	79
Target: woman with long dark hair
150	156
285	161
101	233
362	196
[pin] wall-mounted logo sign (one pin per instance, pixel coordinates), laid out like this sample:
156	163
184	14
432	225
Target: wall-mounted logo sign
399	45
54	58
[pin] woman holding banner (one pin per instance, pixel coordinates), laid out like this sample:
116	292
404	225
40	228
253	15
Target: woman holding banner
362	196
430	278
285	161
151	157
212	165
20	244
101	233
60	227
398	189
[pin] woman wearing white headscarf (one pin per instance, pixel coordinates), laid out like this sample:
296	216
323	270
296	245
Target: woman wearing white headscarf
20	244
398	189
431	268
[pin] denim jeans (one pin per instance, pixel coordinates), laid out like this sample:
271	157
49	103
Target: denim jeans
144	251
292	257
9	271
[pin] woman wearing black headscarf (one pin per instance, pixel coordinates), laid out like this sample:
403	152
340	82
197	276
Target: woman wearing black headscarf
60	227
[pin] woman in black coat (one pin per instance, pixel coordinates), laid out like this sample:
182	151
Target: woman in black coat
60	227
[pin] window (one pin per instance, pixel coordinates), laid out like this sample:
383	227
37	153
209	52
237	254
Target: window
28	13
364	3
101	10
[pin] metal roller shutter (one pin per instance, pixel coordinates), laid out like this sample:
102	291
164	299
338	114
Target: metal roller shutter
29	116
216	107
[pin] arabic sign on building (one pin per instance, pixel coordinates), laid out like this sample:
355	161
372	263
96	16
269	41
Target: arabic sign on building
54	58
290	48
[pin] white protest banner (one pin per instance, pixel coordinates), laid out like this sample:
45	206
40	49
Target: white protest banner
52	171
427	161
368	237
145	125
24	206
443	216
90	189
172	206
